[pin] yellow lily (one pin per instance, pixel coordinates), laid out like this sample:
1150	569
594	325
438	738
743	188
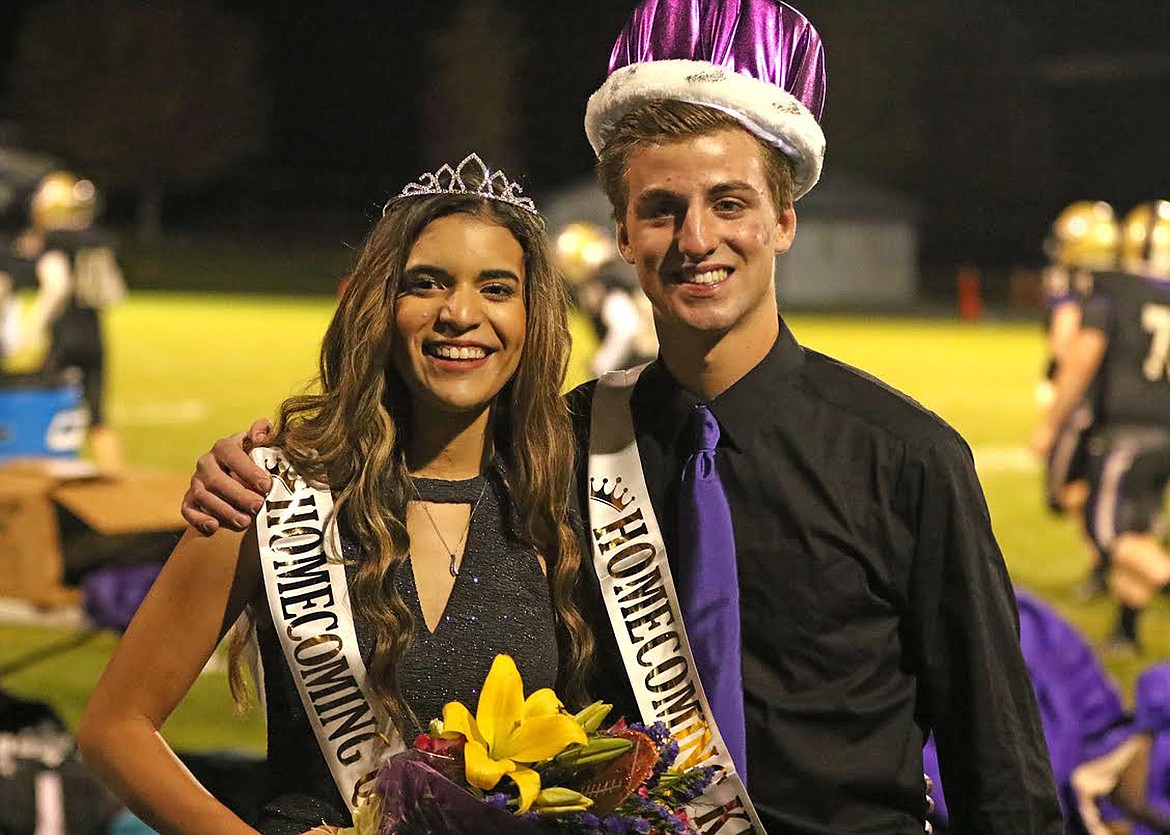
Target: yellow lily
509	733
367	818
557	801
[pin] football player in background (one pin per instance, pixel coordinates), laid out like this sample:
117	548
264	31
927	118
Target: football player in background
1124	345
606	291
77	276
1083	242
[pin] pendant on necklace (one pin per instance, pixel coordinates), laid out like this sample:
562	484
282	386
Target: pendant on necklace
454	570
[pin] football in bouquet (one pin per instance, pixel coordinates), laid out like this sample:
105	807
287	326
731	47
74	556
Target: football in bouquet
526	765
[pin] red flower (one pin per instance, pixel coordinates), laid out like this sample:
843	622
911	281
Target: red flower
433	745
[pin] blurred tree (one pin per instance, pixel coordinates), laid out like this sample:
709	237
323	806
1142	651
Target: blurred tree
140	95
941	101
990	135
877	72
470	100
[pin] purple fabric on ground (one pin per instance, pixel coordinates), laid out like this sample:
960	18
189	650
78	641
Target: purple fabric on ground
1080	706
1152	716
112	595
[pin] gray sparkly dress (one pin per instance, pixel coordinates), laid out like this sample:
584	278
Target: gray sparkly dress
499	604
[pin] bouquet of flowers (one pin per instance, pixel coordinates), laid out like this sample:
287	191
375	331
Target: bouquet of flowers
528	766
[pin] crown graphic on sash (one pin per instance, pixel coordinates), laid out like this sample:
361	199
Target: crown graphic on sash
608	493
472	177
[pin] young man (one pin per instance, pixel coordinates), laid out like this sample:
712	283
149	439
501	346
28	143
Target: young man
1083	243
1124	345
853	598
78	276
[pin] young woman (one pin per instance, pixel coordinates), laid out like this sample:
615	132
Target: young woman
447	451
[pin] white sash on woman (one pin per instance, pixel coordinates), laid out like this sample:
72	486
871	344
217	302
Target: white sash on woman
304	579
630	560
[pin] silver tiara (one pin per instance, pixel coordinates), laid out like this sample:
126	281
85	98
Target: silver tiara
491	185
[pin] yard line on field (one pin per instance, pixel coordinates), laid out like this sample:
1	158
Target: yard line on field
1005	459
160	413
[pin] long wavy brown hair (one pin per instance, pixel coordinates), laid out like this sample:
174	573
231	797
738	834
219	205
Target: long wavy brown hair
353	435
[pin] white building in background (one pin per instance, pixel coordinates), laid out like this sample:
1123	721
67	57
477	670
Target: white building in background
856	245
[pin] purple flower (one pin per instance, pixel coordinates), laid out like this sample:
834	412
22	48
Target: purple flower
667	754
657	731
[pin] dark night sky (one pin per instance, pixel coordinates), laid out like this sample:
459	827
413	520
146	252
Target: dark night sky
352	84
987	114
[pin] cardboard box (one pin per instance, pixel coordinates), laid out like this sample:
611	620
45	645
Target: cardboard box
60	518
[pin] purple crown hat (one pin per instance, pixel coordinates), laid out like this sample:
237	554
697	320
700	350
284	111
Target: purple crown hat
760	61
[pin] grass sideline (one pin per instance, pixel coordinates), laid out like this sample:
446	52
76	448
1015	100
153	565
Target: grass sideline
187	368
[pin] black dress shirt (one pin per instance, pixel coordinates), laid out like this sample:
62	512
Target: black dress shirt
875	604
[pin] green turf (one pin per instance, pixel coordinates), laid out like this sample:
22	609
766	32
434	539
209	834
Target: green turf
185	369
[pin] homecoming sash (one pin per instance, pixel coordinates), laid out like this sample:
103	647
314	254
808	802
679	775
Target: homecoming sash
630	560
304	579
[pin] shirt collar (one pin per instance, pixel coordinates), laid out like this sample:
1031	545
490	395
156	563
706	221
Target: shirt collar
664	407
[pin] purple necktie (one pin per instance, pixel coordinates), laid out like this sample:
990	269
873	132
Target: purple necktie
709	590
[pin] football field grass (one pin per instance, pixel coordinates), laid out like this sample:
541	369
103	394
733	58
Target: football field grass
185	369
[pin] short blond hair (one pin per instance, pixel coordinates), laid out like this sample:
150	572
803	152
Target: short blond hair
670	120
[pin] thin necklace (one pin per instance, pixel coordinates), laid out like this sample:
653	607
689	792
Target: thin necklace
453	569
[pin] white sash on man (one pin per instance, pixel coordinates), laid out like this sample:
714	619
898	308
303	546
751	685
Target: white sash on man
304	579
630	560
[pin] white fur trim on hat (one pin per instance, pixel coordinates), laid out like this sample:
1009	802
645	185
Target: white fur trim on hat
768	111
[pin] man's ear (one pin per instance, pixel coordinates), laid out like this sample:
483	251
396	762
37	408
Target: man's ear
785	231
623	242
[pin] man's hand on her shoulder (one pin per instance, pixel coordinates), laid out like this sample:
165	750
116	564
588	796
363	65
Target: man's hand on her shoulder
228	488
